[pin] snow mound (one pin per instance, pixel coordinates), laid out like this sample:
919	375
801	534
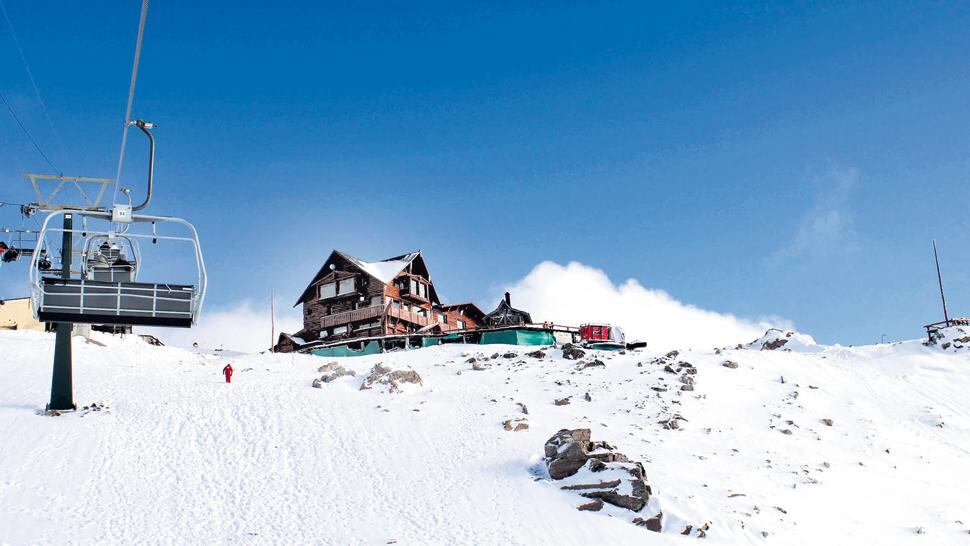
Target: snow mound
951	338
785	340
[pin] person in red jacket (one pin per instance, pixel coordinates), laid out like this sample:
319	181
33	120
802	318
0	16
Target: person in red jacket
227	371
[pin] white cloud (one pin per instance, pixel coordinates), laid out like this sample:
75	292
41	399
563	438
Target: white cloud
243	327
827	228
577	293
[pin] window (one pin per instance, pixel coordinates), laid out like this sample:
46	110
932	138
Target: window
339	330
346	286
414	287
375	301
328	290
423	290
441	319
395	304
461	325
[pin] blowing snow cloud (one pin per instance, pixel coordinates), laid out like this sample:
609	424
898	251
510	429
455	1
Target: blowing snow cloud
577	293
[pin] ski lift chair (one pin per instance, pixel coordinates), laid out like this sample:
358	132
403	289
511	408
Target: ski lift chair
110	297
108	261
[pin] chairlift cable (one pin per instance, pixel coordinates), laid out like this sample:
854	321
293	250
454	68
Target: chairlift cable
26	132
33	83
131	95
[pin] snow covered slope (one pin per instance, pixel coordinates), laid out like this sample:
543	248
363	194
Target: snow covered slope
174	455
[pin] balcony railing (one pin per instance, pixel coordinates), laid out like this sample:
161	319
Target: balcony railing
409	316
355	315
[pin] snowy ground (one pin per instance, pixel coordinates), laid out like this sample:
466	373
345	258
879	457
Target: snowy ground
178	456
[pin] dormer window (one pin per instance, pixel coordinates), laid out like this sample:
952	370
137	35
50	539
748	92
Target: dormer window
342	287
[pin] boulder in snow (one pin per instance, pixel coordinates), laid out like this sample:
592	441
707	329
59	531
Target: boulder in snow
572	352
386	379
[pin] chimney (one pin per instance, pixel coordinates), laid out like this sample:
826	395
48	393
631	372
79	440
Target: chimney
508	299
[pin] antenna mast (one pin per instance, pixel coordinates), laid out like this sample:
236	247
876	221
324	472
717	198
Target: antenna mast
272	320
939	278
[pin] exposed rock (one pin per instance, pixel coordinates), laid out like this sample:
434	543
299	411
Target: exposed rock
336	372
616	499
523	408
654	524
536	354
774	344
509	355
383	376
317	384
570	450
595	506
328	366
672	354
600	485
596	363
515	425
668	369
478	366
687	387
730	364
562	401
572	352
828	422
588	397
471	360
566	452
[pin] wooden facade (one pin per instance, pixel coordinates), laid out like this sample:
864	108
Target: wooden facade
350	298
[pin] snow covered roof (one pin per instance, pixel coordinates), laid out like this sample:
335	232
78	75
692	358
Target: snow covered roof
384	270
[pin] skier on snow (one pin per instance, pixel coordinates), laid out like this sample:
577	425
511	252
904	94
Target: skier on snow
227	371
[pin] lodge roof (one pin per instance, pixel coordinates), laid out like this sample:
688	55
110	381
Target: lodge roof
383	271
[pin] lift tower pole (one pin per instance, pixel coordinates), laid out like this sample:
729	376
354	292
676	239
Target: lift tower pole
939	278
62	382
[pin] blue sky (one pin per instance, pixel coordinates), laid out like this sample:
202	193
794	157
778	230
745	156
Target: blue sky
758	160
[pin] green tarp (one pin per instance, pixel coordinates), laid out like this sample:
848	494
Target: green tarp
372	348
518	337
430	341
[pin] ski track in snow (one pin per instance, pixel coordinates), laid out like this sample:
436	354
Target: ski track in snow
180	457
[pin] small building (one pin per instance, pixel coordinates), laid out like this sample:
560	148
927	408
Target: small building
462	316
506	315
350	299
17	314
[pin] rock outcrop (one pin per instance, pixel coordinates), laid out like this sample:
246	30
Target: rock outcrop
389	380
572	352
596	471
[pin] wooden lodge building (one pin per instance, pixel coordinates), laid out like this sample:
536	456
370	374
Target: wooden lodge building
350	298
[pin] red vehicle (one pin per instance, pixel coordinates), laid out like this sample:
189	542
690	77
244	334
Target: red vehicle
602	336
